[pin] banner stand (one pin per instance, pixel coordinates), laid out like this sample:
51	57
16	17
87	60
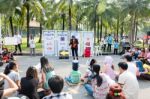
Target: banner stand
55	41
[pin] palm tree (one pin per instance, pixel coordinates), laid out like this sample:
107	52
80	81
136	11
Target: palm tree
136	9
8	7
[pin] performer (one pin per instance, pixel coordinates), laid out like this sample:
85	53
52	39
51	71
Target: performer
74	47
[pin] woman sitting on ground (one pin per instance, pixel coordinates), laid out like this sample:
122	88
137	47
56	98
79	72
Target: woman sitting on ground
109	67
11	71
29	84
8	91
89	72
47	71
146	74
99	87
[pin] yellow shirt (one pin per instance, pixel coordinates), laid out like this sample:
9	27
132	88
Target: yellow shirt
147	67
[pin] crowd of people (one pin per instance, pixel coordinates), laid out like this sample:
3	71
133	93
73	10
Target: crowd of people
41	81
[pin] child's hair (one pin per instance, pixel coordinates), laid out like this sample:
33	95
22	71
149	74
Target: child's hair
92	62
44	64
75	65
56	84
96	69
32	72
9	67
123	65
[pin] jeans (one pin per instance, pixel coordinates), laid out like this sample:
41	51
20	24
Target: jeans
75	52
68	79
109	47
89	89
115	51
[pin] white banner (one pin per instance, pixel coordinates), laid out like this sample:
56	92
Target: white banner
88	39
54	41
62	39
49	43
10	41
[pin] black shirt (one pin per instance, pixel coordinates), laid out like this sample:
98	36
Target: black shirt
29	87
1	94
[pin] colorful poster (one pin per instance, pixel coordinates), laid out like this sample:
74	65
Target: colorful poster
62	40
88	39
49	43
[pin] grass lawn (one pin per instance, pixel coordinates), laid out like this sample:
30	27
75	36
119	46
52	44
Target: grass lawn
38	48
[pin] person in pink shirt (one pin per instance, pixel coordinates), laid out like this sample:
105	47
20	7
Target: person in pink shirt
148	54
109	67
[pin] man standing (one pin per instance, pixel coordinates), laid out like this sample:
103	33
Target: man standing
109	40
74	47
19	41
128	82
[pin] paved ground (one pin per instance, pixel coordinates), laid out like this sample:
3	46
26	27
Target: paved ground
63	68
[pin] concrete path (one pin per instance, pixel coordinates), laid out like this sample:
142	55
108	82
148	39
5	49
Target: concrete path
63	68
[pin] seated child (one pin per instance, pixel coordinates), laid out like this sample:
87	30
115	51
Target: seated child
75	75
139	65
6	55
146	74
115	92
109	67
89	72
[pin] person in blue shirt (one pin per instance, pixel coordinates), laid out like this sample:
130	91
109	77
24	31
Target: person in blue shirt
116	46
109	41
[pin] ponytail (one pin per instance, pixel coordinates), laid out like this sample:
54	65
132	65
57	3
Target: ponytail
96	69
99	79
9	67
7	70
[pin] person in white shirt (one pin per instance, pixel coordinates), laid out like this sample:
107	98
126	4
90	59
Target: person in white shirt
128	82
11	71
131	65
18	43
105	43
32	45
56	84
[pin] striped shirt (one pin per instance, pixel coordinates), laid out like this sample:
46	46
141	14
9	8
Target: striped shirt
59	96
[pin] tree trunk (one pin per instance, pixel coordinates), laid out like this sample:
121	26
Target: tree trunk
135	17
87	26
132	30
122	29
101	28
76	24
11	25
98	34
40	38
105	31
63	23
95	15
28	20
117	27
136	30
70	25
